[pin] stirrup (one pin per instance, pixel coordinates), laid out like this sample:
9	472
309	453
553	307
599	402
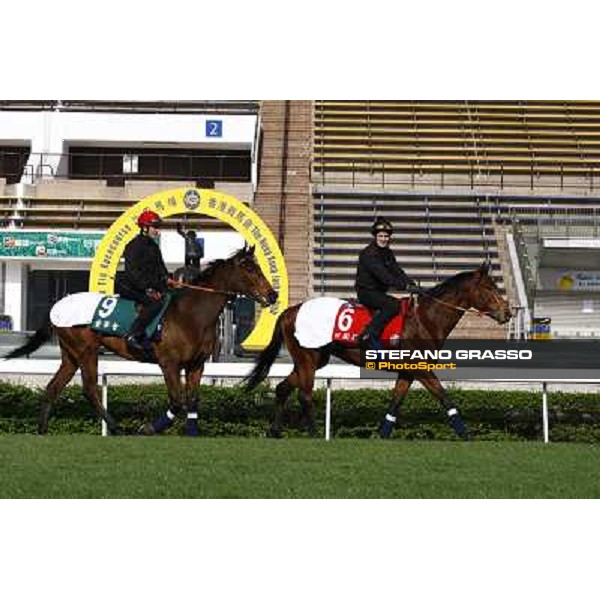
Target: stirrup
368	341
133	341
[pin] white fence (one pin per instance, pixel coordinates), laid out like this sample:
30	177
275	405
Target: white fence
112	368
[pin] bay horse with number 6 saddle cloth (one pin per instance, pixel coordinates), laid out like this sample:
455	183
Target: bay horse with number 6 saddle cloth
323	327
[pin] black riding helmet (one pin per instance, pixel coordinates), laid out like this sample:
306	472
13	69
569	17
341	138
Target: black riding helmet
382	225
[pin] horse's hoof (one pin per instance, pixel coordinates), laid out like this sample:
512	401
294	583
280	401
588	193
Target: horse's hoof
384	433
146	429
386	429
274	433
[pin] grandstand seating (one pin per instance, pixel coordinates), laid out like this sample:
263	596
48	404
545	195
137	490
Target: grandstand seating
382	139
449	174
435	238
436	235
91	204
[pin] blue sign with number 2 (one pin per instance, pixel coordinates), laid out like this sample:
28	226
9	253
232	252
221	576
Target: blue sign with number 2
214	128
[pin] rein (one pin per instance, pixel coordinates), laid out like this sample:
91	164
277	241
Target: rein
479	313
203	289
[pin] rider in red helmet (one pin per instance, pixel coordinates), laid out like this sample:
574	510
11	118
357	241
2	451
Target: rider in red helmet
146	277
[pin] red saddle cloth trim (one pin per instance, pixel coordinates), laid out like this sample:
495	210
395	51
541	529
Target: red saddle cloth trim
352	318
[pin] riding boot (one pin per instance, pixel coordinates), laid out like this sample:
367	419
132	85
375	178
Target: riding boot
136	338
369	338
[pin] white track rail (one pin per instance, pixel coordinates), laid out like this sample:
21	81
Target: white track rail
111	369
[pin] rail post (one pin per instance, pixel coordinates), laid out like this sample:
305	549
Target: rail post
328	411
104	383
545	411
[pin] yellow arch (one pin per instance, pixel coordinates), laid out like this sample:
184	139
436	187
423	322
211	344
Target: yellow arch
213	204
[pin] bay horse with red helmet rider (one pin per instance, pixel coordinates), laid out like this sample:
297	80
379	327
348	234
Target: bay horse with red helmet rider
146	276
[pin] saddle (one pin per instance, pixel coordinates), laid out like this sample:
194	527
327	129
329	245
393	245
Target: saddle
115	316
353	317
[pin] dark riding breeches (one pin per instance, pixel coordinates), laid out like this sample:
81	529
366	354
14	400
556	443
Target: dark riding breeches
150	309
387	307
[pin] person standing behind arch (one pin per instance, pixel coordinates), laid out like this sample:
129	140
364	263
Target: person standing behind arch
194	253
194	247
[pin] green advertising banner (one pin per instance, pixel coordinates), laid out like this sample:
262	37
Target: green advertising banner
49	244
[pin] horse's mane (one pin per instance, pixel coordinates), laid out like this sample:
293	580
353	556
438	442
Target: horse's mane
210	269
216	264
449	284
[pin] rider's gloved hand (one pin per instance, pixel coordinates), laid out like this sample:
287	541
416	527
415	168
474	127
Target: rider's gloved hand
154	294
413	289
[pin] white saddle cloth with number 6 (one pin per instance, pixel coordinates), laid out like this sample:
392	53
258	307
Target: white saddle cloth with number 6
316	320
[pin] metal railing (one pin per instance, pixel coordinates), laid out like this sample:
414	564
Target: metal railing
237	371
526	265
188	166
379	174
188	107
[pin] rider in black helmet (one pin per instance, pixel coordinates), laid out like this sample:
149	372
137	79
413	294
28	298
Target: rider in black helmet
377	272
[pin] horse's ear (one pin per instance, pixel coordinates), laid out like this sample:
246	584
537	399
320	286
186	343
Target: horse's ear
484	269
250	250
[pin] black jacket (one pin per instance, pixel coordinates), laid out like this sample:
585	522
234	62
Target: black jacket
144	266
378	270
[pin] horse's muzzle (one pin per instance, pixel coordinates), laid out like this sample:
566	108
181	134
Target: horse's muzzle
503	316
267	300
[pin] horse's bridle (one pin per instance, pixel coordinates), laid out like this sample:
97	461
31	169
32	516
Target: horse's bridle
213	290
180	284
479	313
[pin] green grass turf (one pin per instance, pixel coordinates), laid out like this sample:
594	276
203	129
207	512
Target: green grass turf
81	466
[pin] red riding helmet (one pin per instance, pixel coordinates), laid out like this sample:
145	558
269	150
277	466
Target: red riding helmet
149	218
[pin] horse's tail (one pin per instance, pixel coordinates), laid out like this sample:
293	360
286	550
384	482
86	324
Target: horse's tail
39	338
267	357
